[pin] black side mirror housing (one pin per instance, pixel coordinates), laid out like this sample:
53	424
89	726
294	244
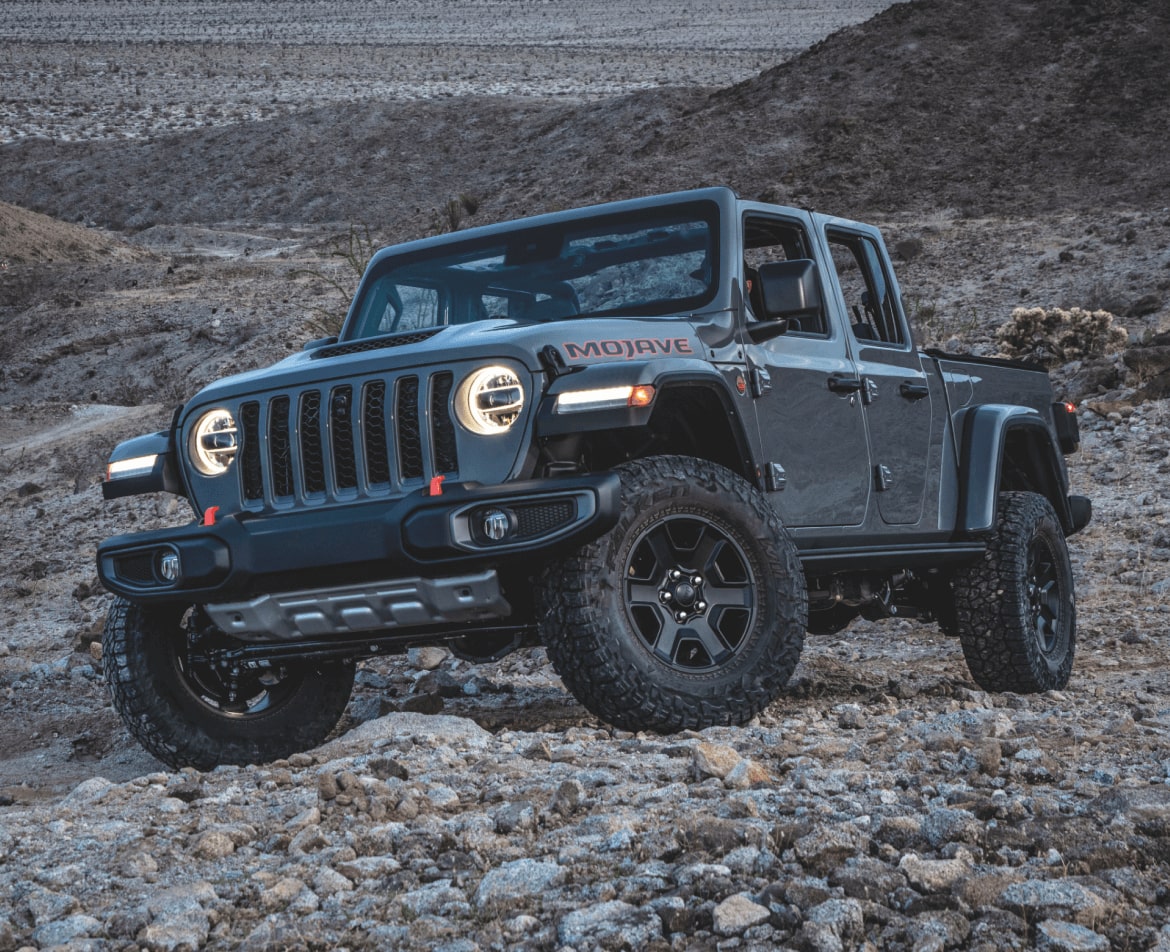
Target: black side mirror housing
790	290
761	331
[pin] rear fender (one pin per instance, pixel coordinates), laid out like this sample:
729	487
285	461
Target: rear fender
994	436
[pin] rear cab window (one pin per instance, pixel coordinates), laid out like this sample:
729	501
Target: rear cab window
870	300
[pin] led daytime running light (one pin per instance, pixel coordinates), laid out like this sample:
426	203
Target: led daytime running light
605	398
129	468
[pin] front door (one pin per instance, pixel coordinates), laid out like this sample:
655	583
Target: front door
812	425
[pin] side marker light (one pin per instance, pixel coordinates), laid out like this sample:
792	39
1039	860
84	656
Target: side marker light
641	396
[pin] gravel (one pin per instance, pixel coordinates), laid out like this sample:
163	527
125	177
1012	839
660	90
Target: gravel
883	800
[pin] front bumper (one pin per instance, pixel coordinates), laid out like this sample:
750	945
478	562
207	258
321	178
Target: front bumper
245	554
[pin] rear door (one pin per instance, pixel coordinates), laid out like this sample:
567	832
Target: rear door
895	391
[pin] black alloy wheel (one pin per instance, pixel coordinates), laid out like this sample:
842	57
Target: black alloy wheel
690	593
1015	610
189	710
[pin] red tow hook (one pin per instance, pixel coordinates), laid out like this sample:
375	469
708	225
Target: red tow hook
436	486
209	515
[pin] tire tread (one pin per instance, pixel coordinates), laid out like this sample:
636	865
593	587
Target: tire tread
579	633
132	642
995	632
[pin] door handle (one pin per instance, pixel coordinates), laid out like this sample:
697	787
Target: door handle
914	391
842	384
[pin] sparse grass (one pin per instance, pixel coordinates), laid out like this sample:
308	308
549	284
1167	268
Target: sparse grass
10	461
1102	295
450	217
355	249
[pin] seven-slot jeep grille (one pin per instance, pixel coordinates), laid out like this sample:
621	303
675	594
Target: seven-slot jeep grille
339	441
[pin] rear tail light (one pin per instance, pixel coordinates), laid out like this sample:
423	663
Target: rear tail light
1068	429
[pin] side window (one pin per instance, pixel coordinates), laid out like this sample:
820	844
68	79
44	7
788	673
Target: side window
770	239
873	312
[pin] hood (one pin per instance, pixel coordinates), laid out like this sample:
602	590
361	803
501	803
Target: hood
579	342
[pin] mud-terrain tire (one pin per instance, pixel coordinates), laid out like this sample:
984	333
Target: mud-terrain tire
1015	609
169	701
626	655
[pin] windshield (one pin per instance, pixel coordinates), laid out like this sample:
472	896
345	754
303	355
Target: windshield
654	261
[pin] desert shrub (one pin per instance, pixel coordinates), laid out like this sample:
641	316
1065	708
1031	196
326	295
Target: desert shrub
450	217
1054	336
355	249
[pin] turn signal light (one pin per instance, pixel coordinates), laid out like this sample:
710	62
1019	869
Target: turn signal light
642	396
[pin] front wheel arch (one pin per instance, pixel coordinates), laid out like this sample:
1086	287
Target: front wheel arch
168	699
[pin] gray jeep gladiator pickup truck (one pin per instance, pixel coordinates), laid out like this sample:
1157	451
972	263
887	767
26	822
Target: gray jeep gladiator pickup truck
664	438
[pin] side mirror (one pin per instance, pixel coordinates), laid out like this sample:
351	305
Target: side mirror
790	291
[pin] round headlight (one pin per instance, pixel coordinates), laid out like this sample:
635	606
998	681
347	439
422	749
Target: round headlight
214	442
490	400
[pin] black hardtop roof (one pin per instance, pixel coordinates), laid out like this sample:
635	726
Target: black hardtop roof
719	194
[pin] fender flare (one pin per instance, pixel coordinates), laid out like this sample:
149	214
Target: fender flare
664	375
164	475
984	432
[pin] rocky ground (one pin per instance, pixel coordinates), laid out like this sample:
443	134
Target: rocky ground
884	800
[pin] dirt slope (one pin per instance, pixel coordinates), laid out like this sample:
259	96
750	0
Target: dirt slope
28	238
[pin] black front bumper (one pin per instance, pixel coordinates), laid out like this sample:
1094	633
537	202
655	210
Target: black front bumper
415	535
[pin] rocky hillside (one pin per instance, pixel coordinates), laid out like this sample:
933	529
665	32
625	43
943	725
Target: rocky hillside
1015	156
979	106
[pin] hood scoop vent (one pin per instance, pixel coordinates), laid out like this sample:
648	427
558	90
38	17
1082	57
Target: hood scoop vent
376	343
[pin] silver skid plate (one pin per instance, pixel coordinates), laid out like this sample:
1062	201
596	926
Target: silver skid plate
372	606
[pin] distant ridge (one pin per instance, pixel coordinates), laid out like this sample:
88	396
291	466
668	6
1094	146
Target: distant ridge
978	105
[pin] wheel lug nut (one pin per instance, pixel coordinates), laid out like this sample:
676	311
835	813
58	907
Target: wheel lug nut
665	596
701	606
696	580
675	574
681	616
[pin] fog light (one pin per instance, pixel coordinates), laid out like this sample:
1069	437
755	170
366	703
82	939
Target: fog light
496	524
168	566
